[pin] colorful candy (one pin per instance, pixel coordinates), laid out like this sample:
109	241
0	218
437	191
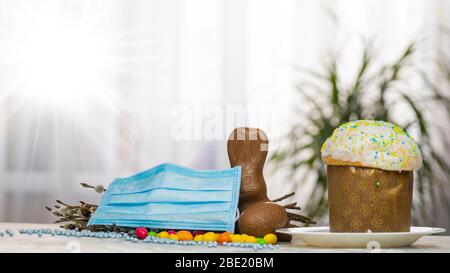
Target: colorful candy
197	232
250	239
163	234
210	237
184	235
198	238
236	238
224	238
260	241
141	233
270	238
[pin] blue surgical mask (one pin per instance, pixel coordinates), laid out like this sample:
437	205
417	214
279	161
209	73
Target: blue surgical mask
172	197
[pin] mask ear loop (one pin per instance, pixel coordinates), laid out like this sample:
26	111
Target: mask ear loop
238	213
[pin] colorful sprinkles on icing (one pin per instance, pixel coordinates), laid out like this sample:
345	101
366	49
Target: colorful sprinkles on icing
376	144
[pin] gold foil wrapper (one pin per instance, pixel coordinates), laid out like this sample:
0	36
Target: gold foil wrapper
362	199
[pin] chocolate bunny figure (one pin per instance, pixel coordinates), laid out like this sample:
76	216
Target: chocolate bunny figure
248	147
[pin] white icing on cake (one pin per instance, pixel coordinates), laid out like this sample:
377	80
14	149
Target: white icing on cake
376	144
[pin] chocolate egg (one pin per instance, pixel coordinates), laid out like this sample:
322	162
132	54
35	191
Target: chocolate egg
262	218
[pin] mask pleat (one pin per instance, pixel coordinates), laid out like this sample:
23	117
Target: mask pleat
172	195
168	225
173	183
159	179
207	218
168	208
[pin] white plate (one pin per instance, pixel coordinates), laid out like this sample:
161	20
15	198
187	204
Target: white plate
322	237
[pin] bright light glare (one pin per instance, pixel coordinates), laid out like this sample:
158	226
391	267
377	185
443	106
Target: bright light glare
59	62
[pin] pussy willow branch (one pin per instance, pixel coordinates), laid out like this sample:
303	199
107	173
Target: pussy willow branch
293	206
77	216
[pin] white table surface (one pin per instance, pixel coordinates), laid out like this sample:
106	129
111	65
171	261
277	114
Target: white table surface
48	243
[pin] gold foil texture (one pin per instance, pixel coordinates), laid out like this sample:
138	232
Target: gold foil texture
367	199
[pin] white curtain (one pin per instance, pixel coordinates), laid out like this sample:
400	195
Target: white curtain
91	90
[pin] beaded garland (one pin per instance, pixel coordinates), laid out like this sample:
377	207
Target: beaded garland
133	238
376	144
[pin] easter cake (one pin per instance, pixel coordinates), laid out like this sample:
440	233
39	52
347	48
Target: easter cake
370	167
